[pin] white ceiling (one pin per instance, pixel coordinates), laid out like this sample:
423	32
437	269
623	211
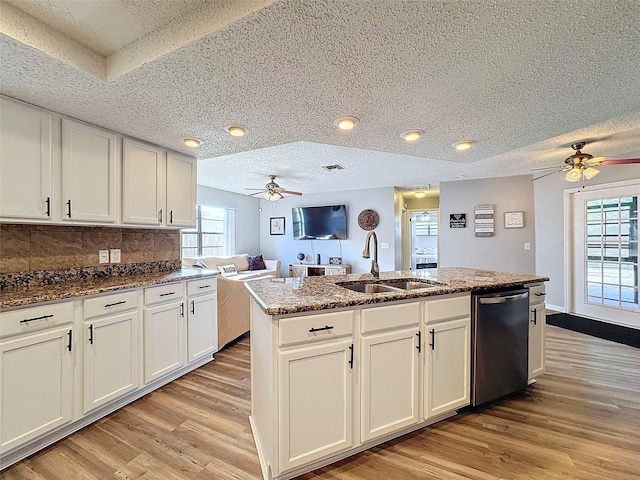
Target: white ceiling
522	79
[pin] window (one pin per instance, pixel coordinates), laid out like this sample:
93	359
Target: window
215	233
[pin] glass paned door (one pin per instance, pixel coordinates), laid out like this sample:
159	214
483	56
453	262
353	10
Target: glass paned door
606	255
424	239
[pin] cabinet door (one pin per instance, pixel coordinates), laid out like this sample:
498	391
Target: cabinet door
181	191
143	183
316	402
164	349
298	270
202	327
110	359
389	382
448	366
25	162
36	380
537	322
88	173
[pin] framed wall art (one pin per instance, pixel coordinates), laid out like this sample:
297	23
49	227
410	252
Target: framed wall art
276	225
513	219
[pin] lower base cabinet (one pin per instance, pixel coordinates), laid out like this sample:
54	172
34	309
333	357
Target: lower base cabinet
164	345
36	380
537	324
110	364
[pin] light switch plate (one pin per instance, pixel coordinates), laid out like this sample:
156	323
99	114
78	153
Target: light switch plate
384	245
115	255
103	256
527	246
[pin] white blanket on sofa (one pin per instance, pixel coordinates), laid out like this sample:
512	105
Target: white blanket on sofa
239	260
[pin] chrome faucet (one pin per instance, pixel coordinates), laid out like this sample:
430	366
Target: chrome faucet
375	270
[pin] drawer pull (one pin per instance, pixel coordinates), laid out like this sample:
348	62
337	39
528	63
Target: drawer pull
540	294
114	304
27	320
205	286
326	327
166	294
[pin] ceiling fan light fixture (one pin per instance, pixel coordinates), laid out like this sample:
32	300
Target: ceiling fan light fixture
573	175
590	172
412	135
464	145
192	142
347	123
235	130
272	196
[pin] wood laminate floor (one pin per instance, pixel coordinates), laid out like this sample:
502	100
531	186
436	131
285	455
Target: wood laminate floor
579	421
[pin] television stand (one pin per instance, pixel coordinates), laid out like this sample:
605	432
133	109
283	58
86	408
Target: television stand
313	270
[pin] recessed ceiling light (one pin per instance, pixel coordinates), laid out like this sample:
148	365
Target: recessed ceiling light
412	135
235	130
347	123
466	145
192	142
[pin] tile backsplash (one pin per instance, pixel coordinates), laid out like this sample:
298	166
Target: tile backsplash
26	248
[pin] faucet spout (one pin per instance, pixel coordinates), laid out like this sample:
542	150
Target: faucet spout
375	270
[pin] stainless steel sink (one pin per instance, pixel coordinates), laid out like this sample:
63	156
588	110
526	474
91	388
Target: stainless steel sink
411	285
371	287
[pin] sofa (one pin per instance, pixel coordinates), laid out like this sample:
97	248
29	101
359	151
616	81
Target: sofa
234	304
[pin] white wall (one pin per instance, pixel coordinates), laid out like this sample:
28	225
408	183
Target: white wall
247	216
548	193
459	247
284	248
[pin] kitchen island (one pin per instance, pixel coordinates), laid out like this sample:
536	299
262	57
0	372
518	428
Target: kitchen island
336	371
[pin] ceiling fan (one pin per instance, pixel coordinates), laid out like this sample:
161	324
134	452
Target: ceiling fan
580	166
272	191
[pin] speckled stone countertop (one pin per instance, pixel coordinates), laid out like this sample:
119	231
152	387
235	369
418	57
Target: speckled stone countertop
279	296
17	297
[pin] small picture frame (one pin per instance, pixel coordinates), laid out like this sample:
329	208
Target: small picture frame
335	260
276	225
513	219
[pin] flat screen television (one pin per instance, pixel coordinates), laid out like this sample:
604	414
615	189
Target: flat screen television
319	223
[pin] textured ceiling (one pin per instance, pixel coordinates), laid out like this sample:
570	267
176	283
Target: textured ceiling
522	79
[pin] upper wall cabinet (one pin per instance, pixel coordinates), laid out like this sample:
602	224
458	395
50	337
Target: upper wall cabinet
25	162
89	173
143	183
181	191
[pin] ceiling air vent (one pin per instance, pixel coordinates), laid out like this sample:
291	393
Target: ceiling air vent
333	167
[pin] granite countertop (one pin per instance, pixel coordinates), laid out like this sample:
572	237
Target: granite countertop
17	297
279	296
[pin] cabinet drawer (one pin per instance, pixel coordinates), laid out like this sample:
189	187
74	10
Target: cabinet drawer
163	293
199	287
32	319
315	328
536	293
440	309
393	316
117	302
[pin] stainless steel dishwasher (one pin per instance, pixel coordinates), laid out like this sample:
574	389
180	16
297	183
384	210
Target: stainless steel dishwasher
500	344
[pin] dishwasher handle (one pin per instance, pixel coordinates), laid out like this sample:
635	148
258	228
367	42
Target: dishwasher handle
505	299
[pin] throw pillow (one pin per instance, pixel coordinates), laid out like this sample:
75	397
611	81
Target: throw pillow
256	263
228	270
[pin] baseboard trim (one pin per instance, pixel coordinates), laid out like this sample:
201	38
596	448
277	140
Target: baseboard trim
555	308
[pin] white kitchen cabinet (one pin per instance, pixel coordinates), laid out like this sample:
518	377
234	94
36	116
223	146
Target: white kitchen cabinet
390	360
202	318
181	191
143	183
164	330
25	161
316	402
537	323
447	354
36	372
89	173
110	362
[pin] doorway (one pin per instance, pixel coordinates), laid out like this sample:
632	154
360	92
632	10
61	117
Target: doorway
424	239
605	253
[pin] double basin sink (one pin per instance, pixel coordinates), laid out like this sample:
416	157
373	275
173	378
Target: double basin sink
389	286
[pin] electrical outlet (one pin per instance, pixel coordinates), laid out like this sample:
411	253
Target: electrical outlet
115	255
103	256
384	245
527	246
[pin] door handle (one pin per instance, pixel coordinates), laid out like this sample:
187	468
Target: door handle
182	309
170	216
535	316
160	216
69	208
48	202
193	307
91	334
70	333
433	338
419	347
351	356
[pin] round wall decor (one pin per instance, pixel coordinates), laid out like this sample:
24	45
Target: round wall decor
368	219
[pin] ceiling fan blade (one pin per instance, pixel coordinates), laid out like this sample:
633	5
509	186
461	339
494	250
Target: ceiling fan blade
547	168
257	193
620	161
546	175
289	192
256	189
